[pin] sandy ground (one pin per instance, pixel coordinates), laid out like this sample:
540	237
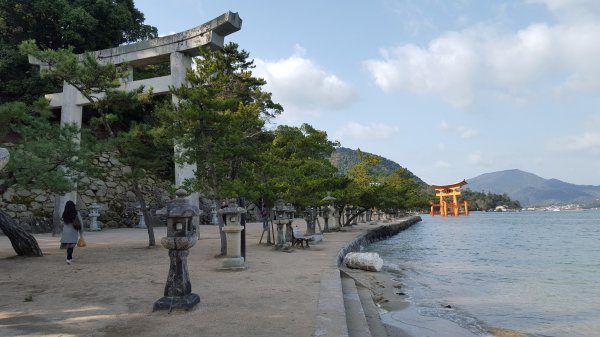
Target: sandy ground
113	283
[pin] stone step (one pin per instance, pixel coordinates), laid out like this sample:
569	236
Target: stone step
371	312
355	314
331	314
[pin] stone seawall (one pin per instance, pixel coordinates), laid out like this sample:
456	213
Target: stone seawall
374	235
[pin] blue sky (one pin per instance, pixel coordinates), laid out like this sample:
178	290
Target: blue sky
448	89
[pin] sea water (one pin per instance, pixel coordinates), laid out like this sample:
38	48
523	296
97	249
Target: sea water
535	272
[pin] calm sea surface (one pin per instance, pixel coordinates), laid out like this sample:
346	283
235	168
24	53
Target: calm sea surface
536	272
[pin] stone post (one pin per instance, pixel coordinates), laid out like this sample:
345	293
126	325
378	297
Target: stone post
234	259
310	218
4	157
337	215
347	213
281	218
289	212
70	114
181	236
213	211
94	214
180	63
325	213
141	220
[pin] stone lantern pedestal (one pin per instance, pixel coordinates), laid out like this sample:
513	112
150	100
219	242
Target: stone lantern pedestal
310	217
181	236
94	214
141	221
4	157
281	219
325	214
290	213
233	233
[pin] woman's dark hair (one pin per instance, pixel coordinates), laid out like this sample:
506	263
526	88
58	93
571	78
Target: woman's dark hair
70	212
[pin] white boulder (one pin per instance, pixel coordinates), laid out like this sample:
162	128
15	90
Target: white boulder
364	261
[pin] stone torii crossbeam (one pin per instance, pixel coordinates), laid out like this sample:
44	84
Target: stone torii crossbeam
178	49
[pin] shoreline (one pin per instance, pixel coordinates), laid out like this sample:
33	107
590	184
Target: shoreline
401	317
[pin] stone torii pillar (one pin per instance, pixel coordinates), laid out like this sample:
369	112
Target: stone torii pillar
178	48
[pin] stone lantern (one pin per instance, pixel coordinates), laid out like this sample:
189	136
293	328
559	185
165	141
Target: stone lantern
181	236
347	213
94	214
4	157
290	214
325	214
328	199
310	217
233	213
281	218
213	211
141	220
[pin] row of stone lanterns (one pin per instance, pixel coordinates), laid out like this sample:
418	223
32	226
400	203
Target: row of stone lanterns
181	236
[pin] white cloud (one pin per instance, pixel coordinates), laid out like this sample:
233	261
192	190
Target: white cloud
588	142
474	159
442	164
462	66
444	67
374	131
572	10
462	131
302	86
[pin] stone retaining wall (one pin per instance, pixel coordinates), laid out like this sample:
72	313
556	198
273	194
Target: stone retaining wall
374	235
34	208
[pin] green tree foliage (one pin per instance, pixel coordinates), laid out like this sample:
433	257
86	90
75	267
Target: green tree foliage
402	191
365	187
300	171
46	157
371	188
479	201
117	117
219	121
84	25
344	159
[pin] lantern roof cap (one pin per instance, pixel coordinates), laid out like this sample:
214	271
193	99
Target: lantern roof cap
232	208
180	207
329	197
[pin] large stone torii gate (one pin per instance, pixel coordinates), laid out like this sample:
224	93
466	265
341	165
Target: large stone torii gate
177	48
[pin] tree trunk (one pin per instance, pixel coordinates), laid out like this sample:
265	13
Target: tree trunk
22	241
142	201
348	221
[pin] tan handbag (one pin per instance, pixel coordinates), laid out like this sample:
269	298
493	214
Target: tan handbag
81	241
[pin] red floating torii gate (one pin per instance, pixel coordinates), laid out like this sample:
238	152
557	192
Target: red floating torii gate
444	191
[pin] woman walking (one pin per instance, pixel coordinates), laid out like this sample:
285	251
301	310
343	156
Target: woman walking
71	229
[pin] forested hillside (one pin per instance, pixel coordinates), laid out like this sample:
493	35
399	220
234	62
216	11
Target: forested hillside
343	159
479	201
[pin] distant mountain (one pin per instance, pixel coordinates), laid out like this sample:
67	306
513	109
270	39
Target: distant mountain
343	159
531	190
